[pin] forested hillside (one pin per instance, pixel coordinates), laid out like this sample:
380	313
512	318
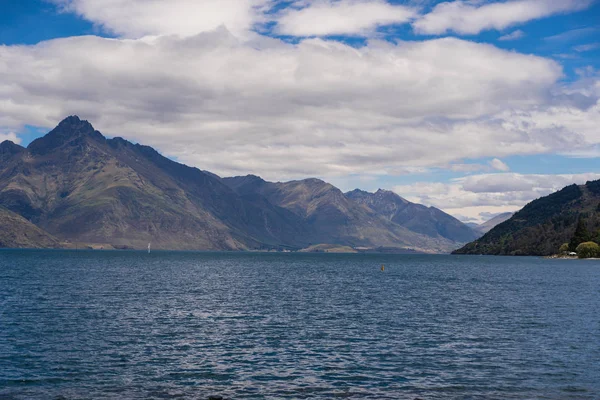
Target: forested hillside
545	224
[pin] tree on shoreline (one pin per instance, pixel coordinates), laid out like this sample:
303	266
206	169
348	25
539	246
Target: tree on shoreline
580	236
588	250
564	248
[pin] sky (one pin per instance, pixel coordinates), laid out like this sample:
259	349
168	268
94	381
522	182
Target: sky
476	107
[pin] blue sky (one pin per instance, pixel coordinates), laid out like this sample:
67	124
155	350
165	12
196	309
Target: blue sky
32	21
432	99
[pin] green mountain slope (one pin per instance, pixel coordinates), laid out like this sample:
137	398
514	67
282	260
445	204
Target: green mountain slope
543	225
17	232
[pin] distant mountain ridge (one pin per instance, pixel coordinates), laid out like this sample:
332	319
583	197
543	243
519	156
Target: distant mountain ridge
543	225
331	214
75	185
429	221
493	222
488	225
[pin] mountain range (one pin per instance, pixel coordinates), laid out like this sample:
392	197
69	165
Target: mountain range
74	185
488	225
543	225
428	221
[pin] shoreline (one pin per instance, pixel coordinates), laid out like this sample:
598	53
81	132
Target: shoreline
557	257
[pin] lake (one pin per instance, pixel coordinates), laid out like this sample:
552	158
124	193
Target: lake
132	325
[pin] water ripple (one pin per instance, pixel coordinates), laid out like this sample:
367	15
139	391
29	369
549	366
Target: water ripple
119	325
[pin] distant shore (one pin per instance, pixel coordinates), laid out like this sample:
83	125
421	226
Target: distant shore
562	257
321	248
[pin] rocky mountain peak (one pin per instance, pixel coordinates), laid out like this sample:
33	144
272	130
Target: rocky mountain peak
357	194
73	120
390	196
245	184
8	149
67	130
9	146
314	182
253	178
74	126
379	195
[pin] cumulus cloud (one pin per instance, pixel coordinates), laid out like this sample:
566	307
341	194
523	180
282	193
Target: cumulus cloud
478	196
499	165
518	34
346	17
315	108
9	136
470	18
138	18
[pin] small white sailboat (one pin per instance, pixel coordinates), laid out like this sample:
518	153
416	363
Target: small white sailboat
149	248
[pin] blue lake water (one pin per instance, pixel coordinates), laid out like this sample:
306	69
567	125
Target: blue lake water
128	325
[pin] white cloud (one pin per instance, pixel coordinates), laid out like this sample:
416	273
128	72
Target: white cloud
499	165
571	35
459	167
138	18
518	34
477	196
283	110
470	18
10	136
566	56
345	17
316	108
586	47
